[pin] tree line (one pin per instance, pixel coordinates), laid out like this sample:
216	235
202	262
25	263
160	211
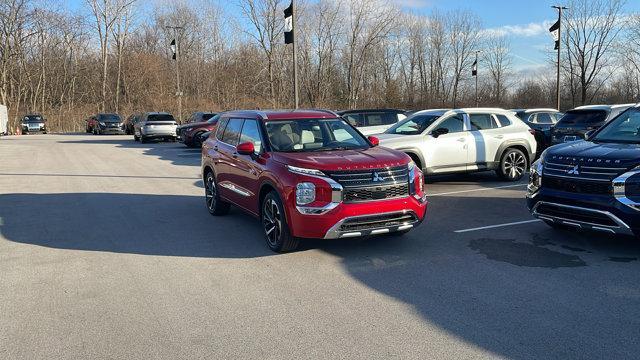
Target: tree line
114	56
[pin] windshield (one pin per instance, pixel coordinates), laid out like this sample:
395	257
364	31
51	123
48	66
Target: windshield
109	117
623	129
161	117
582	117
413	125
207	116
32	118
313	135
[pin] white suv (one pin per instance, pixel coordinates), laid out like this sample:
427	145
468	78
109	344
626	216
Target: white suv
465	140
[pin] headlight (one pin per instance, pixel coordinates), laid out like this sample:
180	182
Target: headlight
305	171
535	176
305	193
102	123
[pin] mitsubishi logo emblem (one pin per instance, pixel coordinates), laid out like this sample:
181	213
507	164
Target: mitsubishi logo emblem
574	171
377	177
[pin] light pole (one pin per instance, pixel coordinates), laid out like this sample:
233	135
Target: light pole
559	42
176	57
475	73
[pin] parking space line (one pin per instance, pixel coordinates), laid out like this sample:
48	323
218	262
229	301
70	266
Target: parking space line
497	226
473	190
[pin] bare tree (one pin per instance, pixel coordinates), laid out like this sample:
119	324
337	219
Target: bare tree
590	28
463	30
498	62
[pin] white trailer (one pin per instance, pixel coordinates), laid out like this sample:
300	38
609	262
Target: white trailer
4	120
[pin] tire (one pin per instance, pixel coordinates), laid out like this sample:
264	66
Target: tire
513	165
215	205
143	140
135	137
274	224
197	142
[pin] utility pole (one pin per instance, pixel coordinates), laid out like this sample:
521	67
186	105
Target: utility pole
474	72
295	58
289	38
176	57
559	45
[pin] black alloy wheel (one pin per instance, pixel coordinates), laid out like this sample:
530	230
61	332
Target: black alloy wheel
274	224
214	204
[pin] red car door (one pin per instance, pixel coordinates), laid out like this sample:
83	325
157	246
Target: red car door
227	161
249	167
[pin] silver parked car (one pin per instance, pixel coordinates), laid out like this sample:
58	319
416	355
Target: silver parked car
155	125
465	140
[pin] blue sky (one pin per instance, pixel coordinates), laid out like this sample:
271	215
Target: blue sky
524	21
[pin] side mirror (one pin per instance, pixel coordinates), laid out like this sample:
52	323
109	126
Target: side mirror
588	134
374	140
439	131
246	148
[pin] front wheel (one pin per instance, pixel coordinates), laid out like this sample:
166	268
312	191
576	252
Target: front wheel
274	224
513	165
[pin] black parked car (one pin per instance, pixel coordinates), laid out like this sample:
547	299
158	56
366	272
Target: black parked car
105	124
541	121
34	123
577	122
130	122
591	184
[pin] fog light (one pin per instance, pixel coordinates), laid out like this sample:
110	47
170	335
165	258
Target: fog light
305	193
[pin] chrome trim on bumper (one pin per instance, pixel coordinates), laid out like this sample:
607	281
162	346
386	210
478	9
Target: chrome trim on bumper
621	228
335	233
619	189
336	198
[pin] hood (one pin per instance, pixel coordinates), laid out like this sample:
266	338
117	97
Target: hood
627	155
376	157
396	140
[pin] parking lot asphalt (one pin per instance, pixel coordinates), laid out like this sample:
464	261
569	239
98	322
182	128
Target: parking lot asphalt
107	251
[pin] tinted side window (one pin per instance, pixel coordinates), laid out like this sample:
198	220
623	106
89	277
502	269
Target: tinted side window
482	122
544	118
354	119
503	120
220	128
453	124
374	119
232	132
389	118
251	133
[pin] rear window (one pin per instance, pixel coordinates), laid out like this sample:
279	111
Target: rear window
579	117
109	117
161	117
482	122
503	120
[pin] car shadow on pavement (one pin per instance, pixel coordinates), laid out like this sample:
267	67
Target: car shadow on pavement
174	152
165	225
523	292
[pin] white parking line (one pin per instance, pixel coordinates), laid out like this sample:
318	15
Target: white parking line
473	190
497	226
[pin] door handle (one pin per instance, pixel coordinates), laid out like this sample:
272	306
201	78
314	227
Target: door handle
499	136
462	139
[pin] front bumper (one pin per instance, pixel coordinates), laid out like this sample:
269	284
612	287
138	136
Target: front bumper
116	131
583	211
360	219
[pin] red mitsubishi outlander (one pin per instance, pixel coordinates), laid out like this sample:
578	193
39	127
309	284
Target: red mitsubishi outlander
309	174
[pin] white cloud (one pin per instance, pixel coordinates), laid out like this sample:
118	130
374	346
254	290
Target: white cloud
526	30
412	4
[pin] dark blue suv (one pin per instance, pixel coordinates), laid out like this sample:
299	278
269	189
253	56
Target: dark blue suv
591	184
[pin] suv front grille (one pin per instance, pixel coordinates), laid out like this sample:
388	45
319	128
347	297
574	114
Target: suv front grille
375	193
374	184
586	170
377	221
577	186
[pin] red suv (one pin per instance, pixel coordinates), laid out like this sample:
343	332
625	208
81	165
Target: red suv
309	174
